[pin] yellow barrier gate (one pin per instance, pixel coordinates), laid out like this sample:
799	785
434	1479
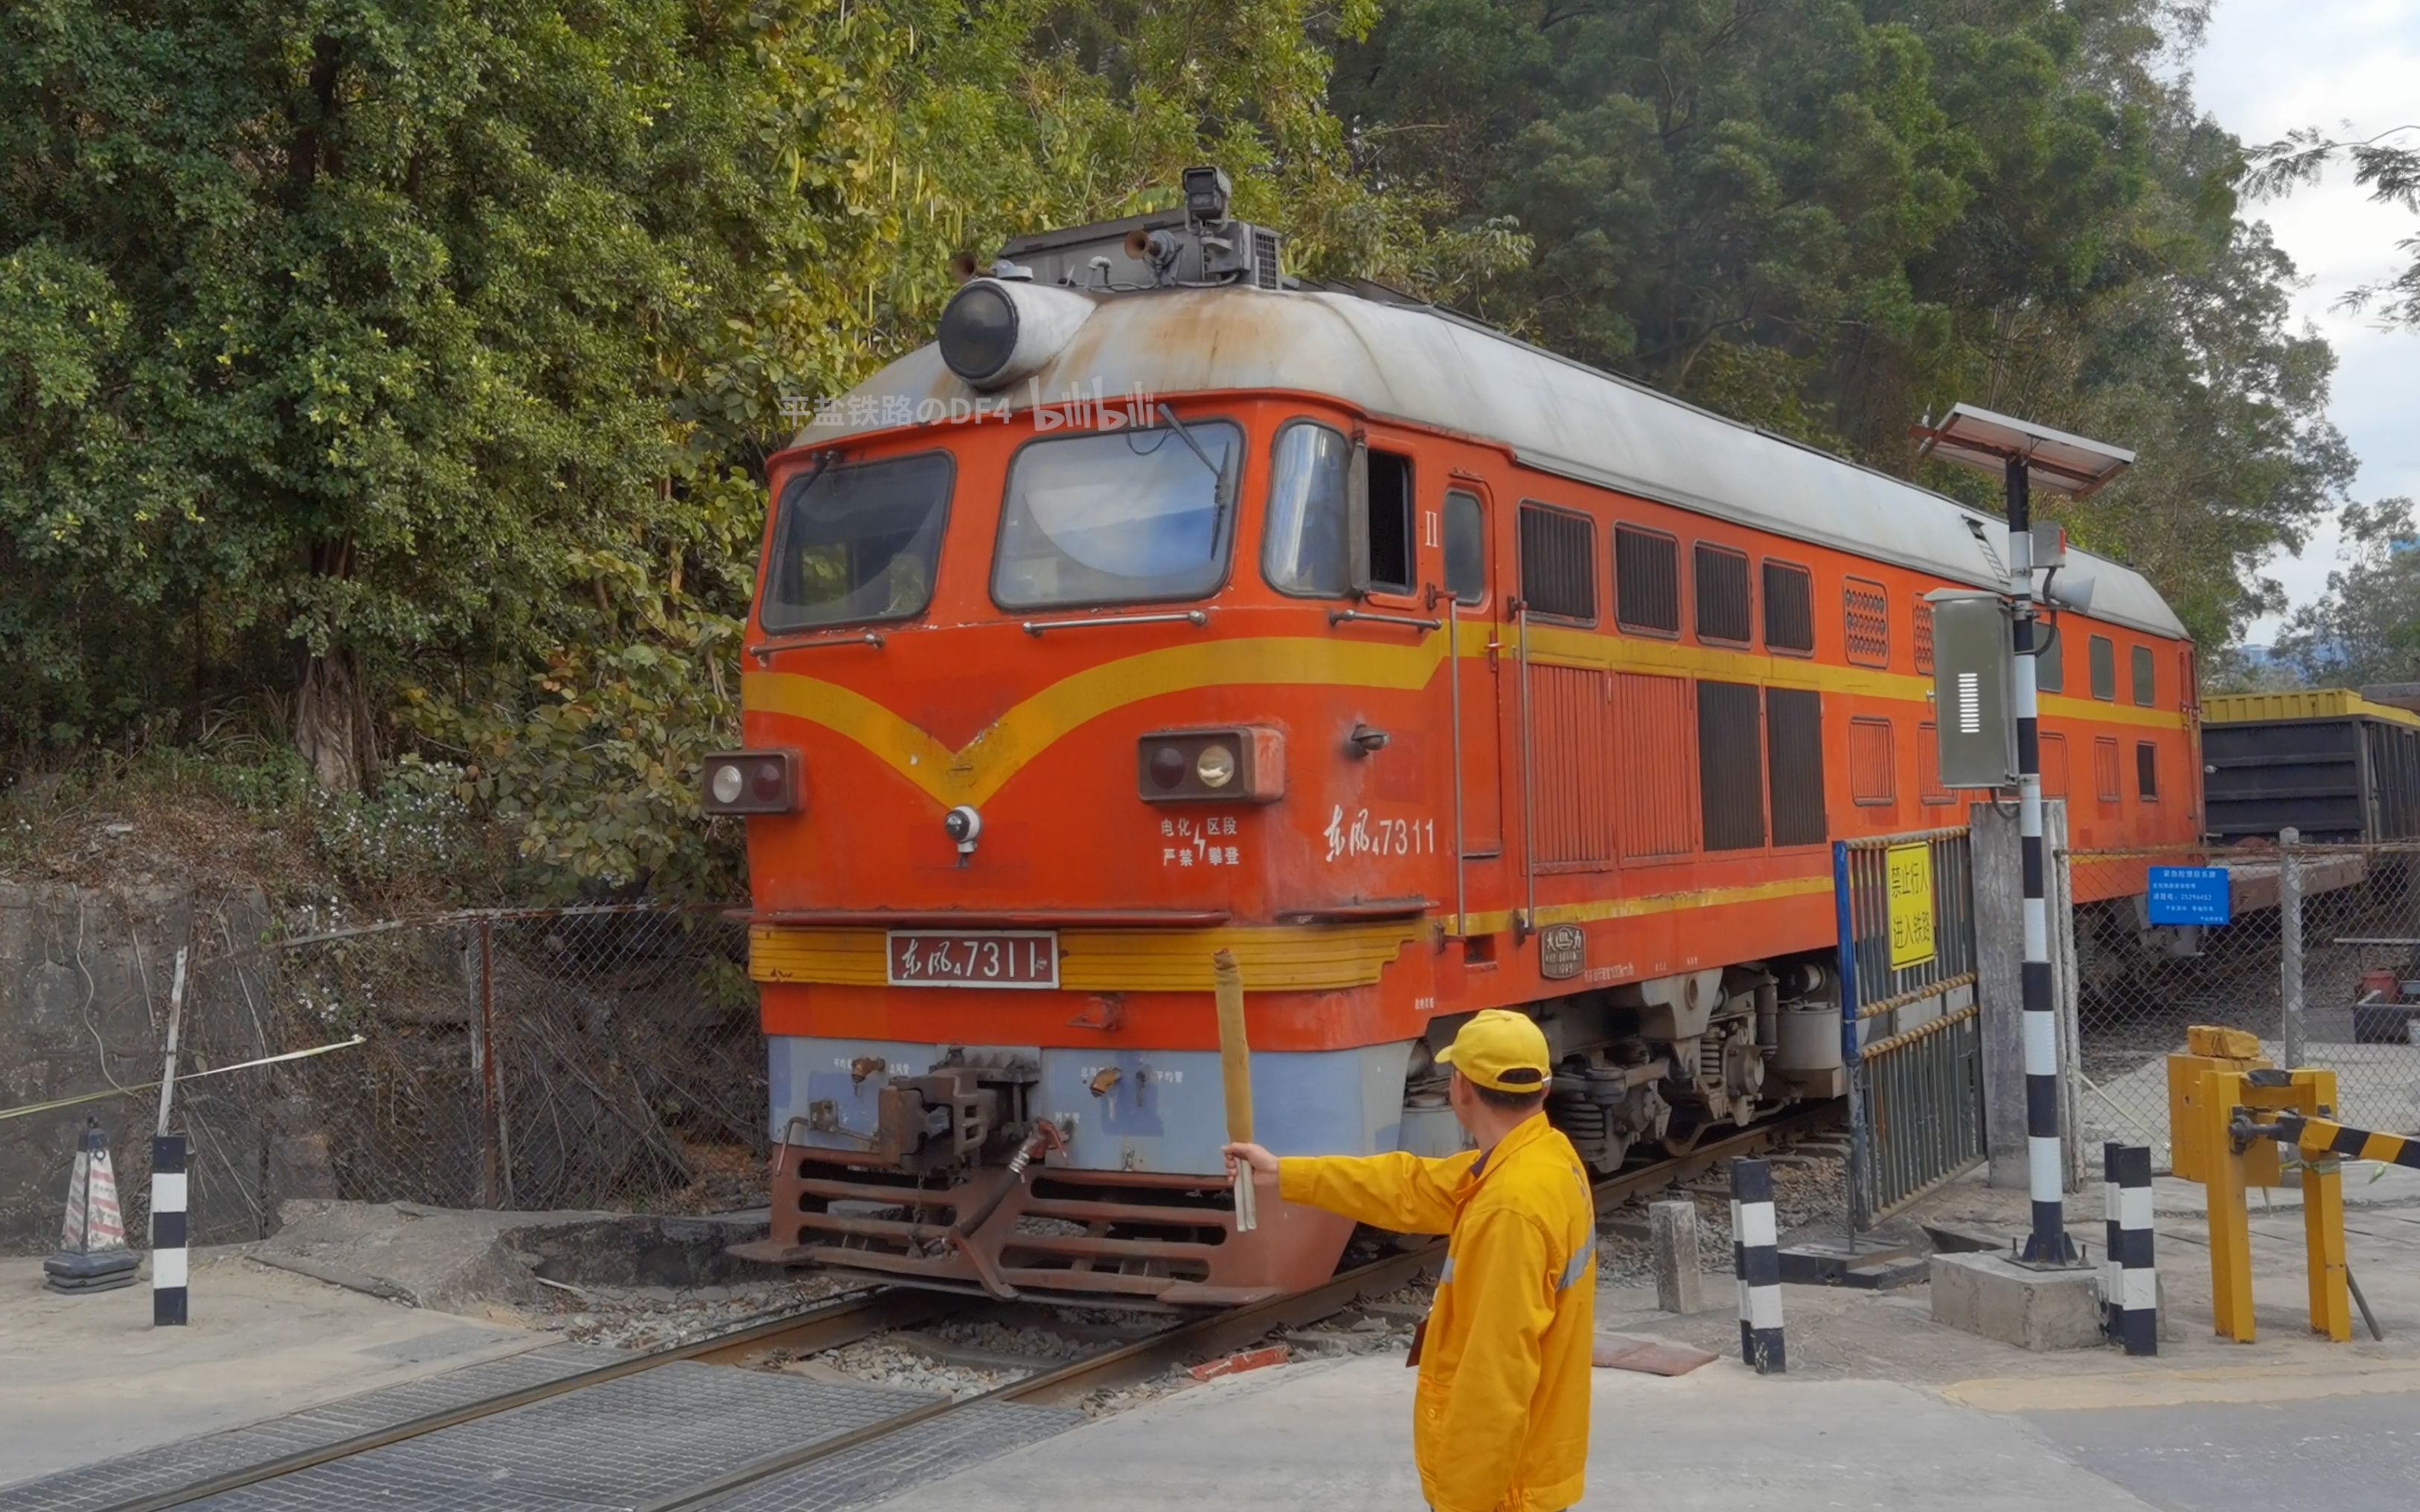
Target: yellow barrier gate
2231	1113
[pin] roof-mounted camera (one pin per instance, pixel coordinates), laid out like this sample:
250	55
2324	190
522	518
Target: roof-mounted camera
1206	193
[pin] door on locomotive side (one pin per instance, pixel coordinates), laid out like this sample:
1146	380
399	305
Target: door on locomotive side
1466	516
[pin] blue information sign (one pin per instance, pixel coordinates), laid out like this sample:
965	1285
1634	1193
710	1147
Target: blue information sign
2189	895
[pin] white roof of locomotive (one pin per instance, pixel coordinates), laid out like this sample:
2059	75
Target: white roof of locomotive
1429	367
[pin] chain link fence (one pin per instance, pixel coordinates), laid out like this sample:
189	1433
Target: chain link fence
602	1057
2320	958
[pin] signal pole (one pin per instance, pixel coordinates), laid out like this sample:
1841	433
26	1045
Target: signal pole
2047	1242
2021	451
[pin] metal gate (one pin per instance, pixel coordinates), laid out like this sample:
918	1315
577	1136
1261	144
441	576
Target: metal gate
1911	1029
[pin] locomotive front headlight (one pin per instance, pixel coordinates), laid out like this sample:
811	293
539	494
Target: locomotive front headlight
752	781
1235	765
978	332
726	784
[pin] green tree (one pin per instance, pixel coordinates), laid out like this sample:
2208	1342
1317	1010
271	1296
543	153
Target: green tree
1830	218
2366	628
2388	165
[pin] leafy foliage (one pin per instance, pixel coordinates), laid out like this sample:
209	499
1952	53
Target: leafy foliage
2366	627
1831	218
403	374
421	359
2388	165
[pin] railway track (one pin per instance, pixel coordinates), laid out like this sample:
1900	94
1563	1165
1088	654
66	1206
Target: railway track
841	1321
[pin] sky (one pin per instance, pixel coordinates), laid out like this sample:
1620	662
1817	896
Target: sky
2266	67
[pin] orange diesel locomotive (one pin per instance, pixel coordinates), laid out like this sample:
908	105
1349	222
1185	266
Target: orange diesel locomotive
1164	605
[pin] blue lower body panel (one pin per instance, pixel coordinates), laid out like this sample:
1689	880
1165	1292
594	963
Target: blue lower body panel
1164	1111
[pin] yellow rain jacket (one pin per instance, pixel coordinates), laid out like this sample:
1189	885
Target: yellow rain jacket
1501	1422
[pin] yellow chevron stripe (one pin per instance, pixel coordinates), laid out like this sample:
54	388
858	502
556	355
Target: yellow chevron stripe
974	773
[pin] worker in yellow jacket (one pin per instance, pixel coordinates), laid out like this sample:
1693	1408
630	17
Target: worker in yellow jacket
1501	1410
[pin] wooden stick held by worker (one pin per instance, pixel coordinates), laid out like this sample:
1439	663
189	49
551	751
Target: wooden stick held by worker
1235	1067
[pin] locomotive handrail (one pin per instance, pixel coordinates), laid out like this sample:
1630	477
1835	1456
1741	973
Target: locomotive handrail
1357	912
1410	621
1191	616
1529	787
763	649
992	918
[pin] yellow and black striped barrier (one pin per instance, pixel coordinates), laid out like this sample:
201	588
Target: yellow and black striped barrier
2323	1137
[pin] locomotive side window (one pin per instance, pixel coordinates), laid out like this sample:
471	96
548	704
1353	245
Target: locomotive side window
1724	612
1559	562
1118	517
1646	580
2146	771
1465	547
2104	668
2145	690
1387	524
2050	661
858	542
1789	609
1306	547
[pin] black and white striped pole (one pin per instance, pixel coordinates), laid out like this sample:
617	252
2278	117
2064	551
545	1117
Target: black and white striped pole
2135	1304
169	1234
1756	1261
2048	1244
2023	451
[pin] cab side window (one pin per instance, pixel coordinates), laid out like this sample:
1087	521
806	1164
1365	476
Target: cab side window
1387	522
1465	547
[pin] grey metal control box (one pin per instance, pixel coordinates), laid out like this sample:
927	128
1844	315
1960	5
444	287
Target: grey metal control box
1972	679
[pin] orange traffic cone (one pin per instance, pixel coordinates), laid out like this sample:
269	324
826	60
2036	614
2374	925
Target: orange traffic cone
92	1255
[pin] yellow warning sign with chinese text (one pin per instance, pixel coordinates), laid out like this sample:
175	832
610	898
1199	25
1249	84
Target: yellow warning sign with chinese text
1908	868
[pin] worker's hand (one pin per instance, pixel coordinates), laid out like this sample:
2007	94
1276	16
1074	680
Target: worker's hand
1264	1165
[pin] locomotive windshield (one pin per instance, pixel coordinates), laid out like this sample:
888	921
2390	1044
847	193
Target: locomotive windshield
1118	517
858	542
1306	549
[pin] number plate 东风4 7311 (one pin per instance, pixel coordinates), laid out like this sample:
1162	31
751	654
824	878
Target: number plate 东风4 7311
959	958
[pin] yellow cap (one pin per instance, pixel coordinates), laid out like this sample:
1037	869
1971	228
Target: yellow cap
1499	1049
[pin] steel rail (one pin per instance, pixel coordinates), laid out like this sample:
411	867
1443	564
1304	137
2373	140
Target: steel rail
1139	1358
826	1325
843	1320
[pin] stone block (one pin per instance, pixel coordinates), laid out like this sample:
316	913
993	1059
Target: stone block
1998	1299
1673	1243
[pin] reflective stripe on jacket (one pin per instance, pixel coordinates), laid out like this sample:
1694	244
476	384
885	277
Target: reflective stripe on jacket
1501	1421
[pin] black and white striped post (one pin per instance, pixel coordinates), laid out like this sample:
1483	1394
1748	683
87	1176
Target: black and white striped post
2110	1281
1756	1259
169	1234
2135	1304
2048	1244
